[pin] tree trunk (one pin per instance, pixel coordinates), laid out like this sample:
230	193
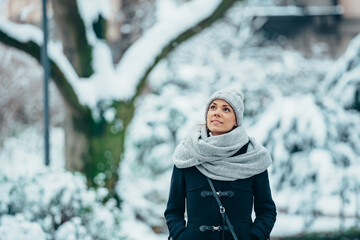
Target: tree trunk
95	147
76	143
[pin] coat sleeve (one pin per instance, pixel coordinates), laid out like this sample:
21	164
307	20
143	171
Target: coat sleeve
174	213
264	207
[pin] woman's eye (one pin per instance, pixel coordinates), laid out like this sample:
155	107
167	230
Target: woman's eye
212	107
227	110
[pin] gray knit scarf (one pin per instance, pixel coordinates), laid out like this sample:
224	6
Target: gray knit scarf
213	156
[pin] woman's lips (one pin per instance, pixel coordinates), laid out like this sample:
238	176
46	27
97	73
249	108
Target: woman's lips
216	122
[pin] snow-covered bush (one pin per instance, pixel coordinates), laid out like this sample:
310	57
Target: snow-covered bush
314	144
56	205
342	82
16	227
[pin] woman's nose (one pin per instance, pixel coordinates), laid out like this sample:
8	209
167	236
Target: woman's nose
217	113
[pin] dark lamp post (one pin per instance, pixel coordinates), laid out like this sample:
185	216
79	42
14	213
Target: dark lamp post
45	63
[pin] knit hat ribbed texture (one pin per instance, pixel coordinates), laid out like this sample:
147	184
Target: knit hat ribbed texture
234	97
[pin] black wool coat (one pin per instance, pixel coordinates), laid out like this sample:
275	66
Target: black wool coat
189	188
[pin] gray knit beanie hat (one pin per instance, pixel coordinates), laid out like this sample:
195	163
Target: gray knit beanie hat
234	97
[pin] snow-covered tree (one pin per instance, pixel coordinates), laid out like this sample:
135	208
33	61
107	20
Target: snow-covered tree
101	96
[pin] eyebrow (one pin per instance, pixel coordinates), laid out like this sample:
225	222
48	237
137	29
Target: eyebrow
222	105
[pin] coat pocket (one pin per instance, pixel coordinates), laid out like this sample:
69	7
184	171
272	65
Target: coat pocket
242	231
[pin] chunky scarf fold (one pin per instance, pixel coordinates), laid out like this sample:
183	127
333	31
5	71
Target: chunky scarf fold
214	156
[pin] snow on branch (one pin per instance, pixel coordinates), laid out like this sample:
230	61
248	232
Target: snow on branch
29	39
21	32
143	55
90	10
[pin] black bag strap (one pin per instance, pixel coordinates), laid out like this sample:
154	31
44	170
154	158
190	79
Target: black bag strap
222	209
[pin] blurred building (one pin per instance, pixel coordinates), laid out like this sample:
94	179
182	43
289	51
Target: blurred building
311	26
314	27
125	22
28	11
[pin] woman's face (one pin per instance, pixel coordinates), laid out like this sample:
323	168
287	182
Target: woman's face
220	117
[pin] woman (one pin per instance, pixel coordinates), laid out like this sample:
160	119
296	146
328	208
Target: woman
237	166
